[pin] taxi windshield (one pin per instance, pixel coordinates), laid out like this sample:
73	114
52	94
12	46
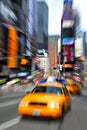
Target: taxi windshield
47	89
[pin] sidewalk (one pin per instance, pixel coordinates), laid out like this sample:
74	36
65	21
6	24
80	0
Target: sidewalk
84	91
84	85
17	88
25	89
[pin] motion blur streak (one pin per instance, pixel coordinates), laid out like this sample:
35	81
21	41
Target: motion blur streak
9	123
9	103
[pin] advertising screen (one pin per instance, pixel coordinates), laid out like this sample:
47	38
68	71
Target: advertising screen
12	48
67	41
67	23
68	53
79	47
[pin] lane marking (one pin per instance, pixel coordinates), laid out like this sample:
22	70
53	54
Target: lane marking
10	123
12	102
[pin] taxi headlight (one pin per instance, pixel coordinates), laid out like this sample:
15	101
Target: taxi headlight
54	105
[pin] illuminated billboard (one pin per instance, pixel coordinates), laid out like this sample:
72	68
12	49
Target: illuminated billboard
67	41
68	23
12	48
68	53
78	47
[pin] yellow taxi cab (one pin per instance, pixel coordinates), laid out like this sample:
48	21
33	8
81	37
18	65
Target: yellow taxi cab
46	100
73	87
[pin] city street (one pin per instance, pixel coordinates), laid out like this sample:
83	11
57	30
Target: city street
76	119
43	42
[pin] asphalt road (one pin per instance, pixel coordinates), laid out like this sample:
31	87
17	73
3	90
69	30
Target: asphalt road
76	119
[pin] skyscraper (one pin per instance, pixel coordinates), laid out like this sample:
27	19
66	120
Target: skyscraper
42	26
67	34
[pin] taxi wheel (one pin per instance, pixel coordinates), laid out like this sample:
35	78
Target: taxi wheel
69	108
62	116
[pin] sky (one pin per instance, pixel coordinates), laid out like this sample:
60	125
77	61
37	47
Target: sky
55	12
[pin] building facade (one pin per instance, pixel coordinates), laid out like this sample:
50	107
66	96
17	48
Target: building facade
32	26
42	26
67	34
69	30
13	28
53	51
44	63
32	31
85	43
17	23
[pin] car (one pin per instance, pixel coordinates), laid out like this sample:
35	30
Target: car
46	100
77	77
72	86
